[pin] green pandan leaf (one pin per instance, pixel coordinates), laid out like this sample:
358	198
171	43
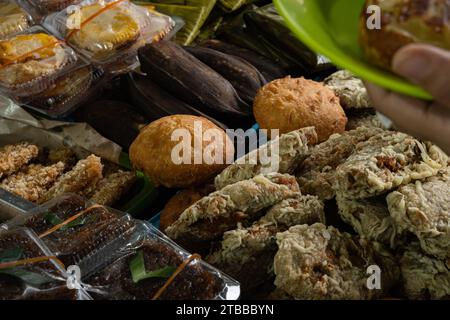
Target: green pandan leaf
138	272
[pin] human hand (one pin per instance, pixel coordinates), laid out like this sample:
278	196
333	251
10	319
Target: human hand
428	67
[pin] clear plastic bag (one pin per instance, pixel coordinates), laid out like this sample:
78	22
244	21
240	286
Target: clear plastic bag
29	270
109	31
31	61
45	7
13	18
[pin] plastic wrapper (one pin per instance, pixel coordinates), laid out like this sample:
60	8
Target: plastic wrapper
45	7
68	91
74	228
109	31
153	267
32	61
29	271
13	18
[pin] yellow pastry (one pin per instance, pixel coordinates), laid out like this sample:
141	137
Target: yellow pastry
28	57
104	34
12	18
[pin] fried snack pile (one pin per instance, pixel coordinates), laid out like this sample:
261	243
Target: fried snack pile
39	175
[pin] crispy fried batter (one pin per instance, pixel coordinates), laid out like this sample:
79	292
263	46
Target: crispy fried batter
65	155
32	182
13	157
370	218
111	188
423	208
85	173
292	148
316	262
316	174
247	254
210	217
424	277
364	118
386	161
351	91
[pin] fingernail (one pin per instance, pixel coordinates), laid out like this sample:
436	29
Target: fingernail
411	65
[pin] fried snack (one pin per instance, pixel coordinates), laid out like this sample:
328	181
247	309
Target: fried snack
404	22
13	157
210	217
33	181
316	175
112	30
164	153
370	218
423	208
180	202
86	172
386	161
292	148
290	104
65	155
12	18
363	118
316	263
111	188
51	58
424	277
115	282
351	90
247	254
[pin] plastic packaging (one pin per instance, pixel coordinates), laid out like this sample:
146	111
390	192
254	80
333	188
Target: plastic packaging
45	7
151	267
32	61
28	270
109	31
68	91
74	228
13	18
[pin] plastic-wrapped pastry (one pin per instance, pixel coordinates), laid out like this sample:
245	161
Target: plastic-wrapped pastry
30	61
12	18
47	6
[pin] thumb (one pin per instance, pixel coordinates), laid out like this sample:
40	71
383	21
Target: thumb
426	66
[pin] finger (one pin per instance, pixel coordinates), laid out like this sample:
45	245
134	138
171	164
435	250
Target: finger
426	66
424	121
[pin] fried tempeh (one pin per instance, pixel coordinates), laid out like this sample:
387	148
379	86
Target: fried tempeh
33	182
111	188
86	172
290	149
13	157
316	175
386	161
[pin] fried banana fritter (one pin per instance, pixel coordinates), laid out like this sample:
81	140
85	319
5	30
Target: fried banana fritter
386	161
86	172
316	262
111	188
32	182
293	148
424	277
211	216
247	254
370	218
423	208
316	175
13	157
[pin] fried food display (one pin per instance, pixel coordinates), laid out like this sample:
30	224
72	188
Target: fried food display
319	262
222	210
317	174
247	254
351	90
386	161
13	157
113	187
404	22
292	149
423	208
290	104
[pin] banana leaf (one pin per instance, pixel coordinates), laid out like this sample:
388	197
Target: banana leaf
233	5
193	12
